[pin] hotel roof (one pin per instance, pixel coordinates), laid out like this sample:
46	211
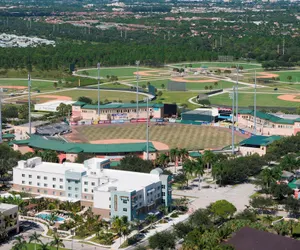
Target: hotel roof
5	206
41	142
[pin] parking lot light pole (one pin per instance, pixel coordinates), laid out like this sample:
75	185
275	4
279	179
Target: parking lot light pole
137	88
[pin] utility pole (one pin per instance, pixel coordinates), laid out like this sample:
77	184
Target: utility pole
147	131
29	103
237	93
98	68
255	103
232	96
1	139
283	44
137	88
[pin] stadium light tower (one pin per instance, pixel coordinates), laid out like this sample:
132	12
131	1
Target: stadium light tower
137	88
237	94
1	139
147	131
255	103
29	103
98	68
232	96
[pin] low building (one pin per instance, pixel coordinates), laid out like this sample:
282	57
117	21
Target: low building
22	130
116	111
51	106
256	144
109	192
68	151
9	217
201	115
250	239
269	124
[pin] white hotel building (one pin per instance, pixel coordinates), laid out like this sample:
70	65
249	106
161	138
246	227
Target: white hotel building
109	192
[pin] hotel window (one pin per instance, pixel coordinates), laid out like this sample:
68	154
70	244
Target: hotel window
76	189
45	177
53	186
38	184
29	189
45	191
60	193
30	176
86	183
109	198
125	209
54	193
85	190
54	179
30	183
109	206
38	190
61	180
76	195
45	185
23	182
92	197
69	195
23	189
93	183
23	175
92	190
85	197
163	186
39	177
69	188
61	187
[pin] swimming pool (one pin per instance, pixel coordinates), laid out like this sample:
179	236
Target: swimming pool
47	217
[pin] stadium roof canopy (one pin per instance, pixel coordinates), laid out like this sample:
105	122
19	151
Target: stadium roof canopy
260	140
41	142
268	117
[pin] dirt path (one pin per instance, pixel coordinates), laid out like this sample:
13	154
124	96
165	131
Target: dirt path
57	97
290	98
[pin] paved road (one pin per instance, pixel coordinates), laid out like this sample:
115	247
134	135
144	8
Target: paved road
28	228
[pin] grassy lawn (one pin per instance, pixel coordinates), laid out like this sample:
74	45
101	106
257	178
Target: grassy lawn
178	97
117	71
104	94
221	64
284	76
114	86
35	84
247	99
192	137
30	246
23	73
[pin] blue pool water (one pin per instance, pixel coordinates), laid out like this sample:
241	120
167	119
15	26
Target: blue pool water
47	217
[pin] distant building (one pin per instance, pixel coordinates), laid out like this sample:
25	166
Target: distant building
22	130
256	144
9	217
270	124
115	111
109	192
50	106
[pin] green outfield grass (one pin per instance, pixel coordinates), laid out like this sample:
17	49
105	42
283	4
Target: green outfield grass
177	97
35	84
114	86
104	94
116	71
247	99
220	64
284	76
31	246
191	137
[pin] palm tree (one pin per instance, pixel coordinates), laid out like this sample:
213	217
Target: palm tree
151	218
188	168
208	158
163	159
120	225
269	175
57	241
183	154
44	246
52	217
20	243
35	237
199	169
173	156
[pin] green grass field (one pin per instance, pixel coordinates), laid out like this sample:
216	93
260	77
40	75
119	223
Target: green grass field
247	99
104	94
177	97
220	64
191	137
284	76
35	84
117	71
